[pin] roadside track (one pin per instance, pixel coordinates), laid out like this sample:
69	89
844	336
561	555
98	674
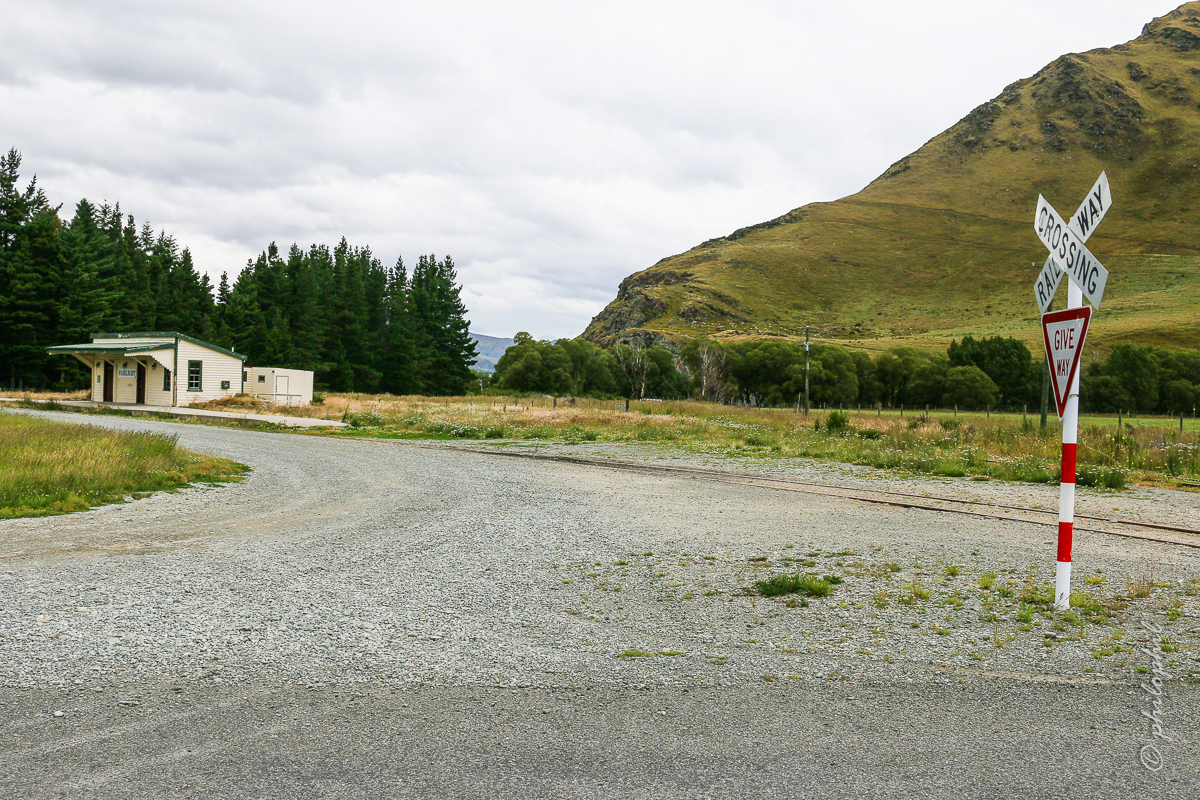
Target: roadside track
1126	528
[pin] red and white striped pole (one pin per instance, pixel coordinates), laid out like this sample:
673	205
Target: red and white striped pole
1066	489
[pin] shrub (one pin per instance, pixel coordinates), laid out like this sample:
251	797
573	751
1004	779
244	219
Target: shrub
837	421
365	419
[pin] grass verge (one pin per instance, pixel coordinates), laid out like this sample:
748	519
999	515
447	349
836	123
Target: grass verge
55	468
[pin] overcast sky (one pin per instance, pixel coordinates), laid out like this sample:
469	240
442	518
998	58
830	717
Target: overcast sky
551	148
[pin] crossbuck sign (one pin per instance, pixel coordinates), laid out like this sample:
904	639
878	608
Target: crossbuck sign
1065	241
1064	333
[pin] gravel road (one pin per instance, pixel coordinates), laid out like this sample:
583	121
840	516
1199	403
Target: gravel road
373	618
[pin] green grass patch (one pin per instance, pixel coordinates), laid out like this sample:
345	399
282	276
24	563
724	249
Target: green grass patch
51	467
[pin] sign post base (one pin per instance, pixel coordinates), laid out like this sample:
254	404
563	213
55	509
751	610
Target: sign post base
1062	585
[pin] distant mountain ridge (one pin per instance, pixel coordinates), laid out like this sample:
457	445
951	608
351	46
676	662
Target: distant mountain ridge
489	348
942	244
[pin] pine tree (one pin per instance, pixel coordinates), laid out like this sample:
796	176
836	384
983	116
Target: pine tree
306	311
30	277
396	335
443	347
88	305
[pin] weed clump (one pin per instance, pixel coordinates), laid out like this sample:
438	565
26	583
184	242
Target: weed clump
1107	477
810	585
834	422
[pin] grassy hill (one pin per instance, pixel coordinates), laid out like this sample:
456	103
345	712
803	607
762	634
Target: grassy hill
942	244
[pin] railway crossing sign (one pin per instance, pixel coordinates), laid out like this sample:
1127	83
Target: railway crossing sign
1065	241
1064	332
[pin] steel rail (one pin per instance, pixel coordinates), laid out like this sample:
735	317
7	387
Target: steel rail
891	498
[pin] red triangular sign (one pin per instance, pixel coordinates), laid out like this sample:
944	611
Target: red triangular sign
1064	332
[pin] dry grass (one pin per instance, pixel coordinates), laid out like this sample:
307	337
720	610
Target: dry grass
1006	447
82	394
1000	446
54	468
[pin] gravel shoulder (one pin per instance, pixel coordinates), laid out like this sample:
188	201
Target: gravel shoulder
416	573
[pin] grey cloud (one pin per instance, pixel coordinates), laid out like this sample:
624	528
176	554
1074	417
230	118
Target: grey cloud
552	148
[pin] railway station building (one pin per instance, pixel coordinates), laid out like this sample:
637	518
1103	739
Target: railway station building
158	368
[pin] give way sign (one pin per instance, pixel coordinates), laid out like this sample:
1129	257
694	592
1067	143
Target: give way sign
1064	332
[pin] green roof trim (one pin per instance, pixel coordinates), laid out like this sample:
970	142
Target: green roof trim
70	349
170	335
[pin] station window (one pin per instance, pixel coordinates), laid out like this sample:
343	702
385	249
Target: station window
262	378
195	369
166	380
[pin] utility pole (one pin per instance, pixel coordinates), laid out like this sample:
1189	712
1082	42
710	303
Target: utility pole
806	370
1046	379
1045	391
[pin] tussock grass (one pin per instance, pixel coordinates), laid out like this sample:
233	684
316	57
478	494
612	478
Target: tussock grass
55	468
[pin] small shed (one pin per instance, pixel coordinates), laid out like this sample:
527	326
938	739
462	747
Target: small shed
157	368
283	387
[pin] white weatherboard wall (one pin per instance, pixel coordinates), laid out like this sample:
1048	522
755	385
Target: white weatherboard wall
284	387
217	367
125	390
158	362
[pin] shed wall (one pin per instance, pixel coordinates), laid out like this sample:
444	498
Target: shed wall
298	386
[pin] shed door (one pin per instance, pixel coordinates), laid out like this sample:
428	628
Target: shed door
108	382
281	388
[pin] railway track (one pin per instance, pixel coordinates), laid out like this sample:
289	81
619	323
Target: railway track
1126	528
